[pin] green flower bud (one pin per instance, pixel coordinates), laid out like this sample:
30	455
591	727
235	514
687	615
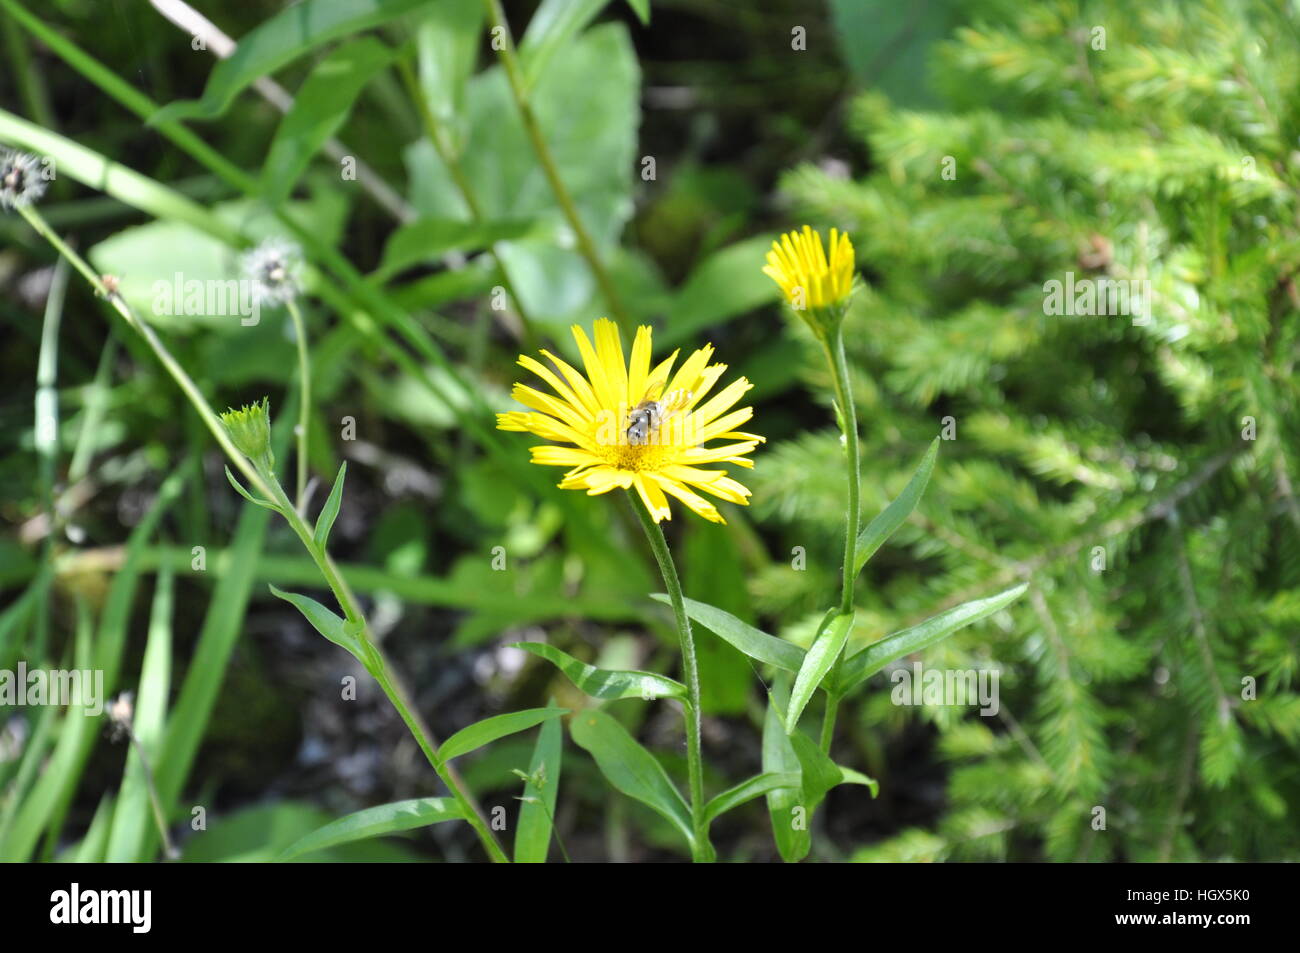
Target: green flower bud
250	431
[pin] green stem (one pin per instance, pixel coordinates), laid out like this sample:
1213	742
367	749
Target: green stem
381	669
703	850
849	422
304	402
177	372
497	17
267	484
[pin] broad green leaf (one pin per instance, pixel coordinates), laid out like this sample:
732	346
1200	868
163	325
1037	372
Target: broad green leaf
447	43
745	791
490	729
330	511
281	40
427	239
606	683
319	109
884	525
376	821
533	834
333	627
791	818
728	283
858	668
134	812
591	131
753	642
631	768
554	24
821	656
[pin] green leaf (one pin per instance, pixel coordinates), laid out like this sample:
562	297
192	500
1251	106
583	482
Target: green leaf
817	771
857	777
753	642
447	41
728	283
816	664
606	683
884	525
642	10
552	26
375	821
490	729
330	511
248	496
630	768
533	834
745	791
279	41
591	131
333	627
858	668
790	815
319	109
426	239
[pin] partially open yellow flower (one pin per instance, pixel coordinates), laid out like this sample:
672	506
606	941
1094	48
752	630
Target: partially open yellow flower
811	282
628	425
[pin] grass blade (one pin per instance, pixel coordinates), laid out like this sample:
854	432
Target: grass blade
533	834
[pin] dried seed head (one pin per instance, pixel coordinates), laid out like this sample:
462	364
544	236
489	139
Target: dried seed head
21	182
273	268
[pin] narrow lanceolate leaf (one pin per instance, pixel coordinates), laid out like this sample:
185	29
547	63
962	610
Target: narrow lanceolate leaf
607	683
755	643
248	496
533	834
858	668
849	776
816	664
892	516
319	108
333	627
756	786
630	768
490	729
330	512
375	821
280	40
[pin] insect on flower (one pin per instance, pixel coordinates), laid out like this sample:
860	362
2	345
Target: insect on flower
627	425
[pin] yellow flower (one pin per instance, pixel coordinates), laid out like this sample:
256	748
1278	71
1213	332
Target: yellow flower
628	425
811	283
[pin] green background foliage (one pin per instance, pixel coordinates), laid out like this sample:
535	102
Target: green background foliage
1138	476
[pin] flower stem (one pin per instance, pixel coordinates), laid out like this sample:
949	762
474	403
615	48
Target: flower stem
849	422
267	484
378	665
497	18
702	849
304	401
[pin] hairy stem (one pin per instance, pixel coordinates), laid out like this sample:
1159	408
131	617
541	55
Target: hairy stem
304	402
849	423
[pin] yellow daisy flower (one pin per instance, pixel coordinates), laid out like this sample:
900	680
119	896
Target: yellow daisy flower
628	425
809	280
